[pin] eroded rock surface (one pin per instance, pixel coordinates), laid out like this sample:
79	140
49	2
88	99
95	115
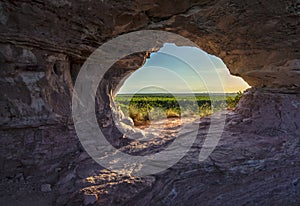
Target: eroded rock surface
249	36
43	44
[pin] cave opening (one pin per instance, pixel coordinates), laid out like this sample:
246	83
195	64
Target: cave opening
176	83
147	99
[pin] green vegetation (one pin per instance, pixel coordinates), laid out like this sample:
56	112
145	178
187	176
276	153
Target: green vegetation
232	101
145	107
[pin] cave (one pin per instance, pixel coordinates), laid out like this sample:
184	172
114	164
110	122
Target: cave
44	48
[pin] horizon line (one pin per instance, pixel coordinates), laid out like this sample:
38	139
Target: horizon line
129	93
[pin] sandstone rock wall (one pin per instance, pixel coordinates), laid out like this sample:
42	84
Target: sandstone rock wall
44	43
254	38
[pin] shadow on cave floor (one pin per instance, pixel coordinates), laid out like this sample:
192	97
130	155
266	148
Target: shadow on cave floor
244	164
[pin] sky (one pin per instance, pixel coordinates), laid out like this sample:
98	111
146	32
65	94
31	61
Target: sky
182	69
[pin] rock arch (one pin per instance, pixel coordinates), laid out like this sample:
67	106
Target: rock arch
44	43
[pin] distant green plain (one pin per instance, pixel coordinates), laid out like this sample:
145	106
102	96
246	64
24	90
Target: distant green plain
143	108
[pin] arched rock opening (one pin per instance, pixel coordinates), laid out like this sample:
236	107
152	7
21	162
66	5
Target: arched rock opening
42	45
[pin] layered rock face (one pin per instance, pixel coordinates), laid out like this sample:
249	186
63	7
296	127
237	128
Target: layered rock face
43	44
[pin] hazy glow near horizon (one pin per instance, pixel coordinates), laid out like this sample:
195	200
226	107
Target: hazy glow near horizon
182	70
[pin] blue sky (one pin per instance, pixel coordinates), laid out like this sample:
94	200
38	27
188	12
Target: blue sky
182	70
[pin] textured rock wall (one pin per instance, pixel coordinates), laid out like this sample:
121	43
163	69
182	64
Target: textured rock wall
35	100
44	43
254	38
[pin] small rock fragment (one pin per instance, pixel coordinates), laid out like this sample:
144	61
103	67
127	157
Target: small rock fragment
46	188
128	121
247	120
89	199
57	169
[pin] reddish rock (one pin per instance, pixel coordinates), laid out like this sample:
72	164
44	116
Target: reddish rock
42	47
